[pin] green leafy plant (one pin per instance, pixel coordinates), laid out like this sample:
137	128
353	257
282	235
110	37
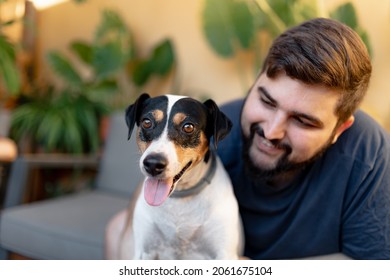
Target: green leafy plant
66	118
59	122
346	13
228	25
112	61
10	81
232	26
9	72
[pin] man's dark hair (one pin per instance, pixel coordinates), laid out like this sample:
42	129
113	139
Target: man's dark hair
325	52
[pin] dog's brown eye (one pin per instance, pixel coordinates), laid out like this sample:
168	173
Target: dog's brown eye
188	128
146	123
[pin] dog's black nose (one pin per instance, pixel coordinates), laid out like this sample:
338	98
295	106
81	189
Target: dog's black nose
155	164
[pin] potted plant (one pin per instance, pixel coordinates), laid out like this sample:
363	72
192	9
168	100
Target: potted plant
232	26
67	117
10	81
9	72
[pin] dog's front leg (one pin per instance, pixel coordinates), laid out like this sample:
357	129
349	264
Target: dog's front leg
227	256
146	247
146	256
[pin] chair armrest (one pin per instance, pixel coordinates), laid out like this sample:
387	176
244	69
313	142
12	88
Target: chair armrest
59	160
22	166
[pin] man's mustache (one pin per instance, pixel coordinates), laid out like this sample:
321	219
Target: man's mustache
256	128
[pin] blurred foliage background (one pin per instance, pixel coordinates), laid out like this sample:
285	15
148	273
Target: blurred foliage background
70	64
231	26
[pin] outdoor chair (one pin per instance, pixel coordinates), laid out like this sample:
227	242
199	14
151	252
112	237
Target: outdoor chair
71	226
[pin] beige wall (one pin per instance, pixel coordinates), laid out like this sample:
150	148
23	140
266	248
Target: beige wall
200	70
375	17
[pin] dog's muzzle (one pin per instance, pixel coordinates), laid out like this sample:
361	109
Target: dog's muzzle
157	187
155	164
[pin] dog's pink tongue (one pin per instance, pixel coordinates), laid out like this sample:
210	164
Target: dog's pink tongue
157	191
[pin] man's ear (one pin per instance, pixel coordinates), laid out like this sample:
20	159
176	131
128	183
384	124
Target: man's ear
218	124
133	112
343	127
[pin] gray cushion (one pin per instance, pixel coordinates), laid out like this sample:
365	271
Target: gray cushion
73	226
70	227
119	169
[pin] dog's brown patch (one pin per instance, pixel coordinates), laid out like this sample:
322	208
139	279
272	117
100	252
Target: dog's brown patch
142	145
178	118
158	115
195	154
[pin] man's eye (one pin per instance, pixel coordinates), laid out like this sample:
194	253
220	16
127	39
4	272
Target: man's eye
304	123
267	102
146	123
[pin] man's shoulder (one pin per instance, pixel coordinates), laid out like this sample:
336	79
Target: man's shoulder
364	120
232	109
365	140
229	148
366	145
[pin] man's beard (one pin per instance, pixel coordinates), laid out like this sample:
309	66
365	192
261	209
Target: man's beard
283	165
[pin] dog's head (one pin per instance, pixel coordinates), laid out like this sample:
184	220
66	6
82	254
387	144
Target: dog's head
173	135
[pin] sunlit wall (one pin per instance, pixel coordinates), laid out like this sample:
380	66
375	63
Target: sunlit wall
200	71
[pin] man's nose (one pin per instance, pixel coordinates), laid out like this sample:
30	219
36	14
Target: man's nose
276	127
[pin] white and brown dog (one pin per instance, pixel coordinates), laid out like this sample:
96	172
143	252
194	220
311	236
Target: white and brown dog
188	209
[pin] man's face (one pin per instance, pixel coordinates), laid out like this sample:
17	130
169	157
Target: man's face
287	123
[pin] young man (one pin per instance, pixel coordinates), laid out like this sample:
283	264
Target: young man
311	174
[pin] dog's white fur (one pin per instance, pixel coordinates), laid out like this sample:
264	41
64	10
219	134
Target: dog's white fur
202	226
200	222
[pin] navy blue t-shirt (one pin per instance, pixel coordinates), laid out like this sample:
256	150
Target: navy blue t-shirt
340	204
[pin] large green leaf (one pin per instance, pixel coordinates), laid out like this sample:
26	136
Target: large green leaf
304	10
49	132
108	59
268	19
112	28
142	71
110	25
9	72
229	25
73	140
346	13
7	47
162	58
62	67
242	23
284	10
83	50
89	126
24	120
217	26
160	62
101	91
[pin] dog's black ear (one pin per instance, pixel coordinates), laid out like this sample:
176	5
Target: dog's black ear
133	112
219	124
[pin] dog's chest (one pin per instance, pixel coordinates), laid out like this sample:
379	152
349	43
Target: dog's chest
169	233
178	219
